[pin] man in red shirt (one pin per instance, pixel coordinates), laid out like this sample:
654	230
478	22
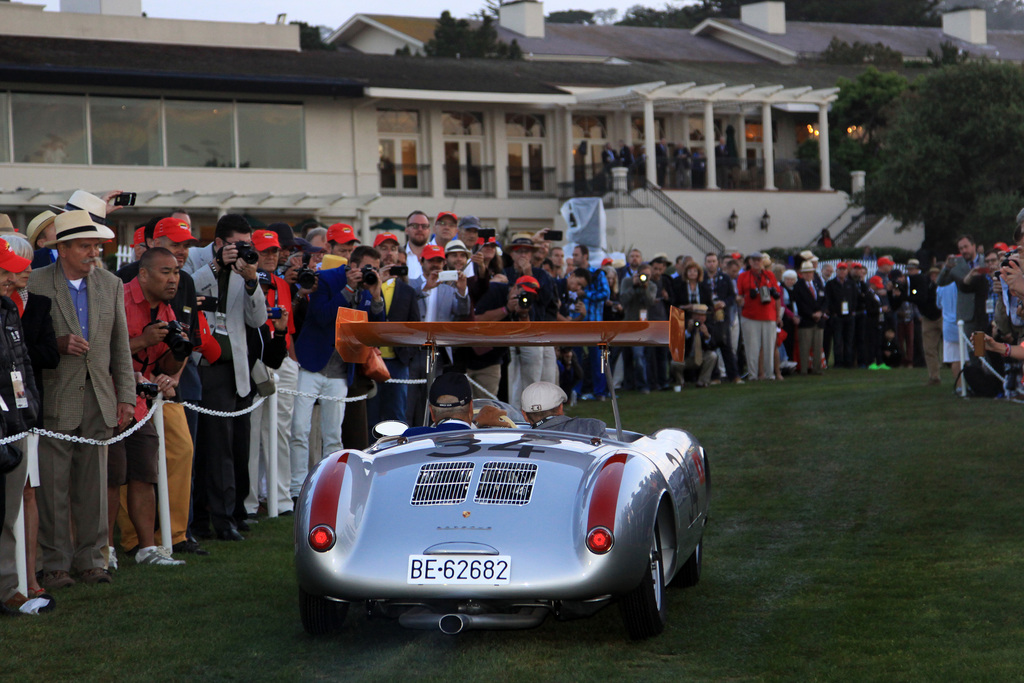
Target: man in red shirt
157	355
761	301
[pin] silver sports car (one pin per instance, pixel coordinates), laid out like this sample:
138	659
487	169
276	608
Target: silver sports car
498	528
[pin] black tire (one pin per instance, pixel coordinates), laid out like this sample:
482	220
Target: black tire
644	609
321	616
689	573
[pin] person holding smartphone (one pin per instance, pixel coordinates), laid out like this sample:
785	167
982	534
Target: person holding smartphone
972	285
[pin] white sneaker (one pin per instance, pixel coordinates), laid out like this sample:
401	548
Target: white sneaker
111	558
157	555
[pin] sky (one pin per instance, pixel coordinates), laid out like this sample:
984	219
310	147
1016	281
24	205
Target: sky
333	13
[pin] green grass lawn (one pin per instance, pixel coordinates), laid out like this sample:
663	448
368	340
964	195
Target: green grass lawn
863	527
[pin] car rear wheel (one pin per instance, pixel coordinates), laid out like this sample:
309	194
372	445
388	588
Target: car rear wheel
321	616
689	573
644	609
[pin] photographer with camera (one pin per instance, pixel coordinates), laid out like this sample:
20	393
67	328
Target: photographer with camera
160	348
761	308
222	444
401	304
274	348
700	353
638	295
573	305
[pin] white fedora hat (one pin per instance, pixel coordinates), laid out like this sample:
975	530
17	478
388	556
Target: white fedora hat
83	201
78	225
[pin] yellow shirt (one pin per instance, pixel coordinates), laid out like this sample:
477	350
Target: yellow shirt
387	290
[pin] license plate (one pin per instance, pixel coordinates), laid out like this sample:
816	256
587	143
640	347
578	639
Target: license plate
459	570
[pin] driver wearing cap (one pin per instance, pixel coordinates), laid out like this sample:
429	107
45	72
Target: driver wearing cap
543	406
451	407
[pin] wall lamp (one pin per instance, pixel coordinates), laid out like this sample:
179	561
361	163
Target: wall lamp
733	220
766	220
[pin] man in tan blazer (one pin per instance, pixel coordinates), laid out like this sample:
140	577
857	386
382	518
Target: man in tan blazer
91	392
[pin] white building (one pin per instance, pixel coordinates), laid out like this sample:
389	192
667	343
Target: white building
190	114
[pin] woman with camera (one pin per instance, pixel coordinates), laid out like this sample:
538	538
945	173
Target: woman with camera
761	303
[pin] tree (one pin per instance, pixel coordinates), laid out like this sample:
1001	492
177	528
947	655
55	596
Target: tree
885	12
841	52
457	38
311	37
859	116
951	154
571	16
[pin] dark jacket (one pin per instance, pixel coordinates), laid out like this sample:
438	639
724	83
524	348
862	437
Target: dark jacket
14	357
40	340
808	303
837	292
404	308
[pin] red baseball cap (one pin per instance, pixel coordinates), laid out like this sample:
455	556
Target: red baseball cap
342	233
529	283
857	264
264	239
449	214
606	262
1000	246
432	251
842	264
10	261
384	237
736	255
139	237
886	262
173	229
876	282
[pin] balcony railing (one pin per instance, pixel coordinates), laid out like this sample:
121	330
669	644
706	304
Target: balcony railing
409	181
531	182
469	181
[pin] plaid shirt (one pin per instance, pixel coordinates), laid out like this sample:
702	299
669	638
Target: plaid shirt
596	294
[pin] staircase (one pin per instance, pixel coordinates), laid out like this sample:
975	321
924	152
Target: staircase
648	196
856	229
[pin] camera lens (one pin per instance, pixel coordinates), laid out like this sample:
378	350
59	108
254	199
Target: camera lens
369	276
306	278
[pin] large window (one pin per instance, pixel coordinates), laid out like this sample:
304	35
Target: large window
525	133
199	134
589	135
48	129
637	128
131	131
463	151
270	136
398	140
125	132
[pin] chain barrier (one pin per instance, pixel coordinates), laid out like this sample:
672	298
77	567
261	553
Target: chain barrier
220	413
471	381
81	439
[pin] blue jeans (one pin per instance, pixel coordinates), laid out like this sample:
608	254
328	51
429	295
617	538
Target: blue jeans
389	403
598	377
640	369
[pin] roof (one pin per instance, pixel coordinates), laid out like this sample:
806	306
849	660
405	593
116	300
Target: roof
419	28
812	38
89	63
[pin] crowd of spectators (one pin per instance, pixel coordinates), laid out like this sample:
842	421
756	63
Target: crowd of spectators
254	311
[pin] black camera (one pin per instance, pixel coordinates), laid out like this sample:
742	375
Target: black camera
306	278
370	276
1008	254
398	270
177	340
246	253
209	304
146	389
274	313
527	300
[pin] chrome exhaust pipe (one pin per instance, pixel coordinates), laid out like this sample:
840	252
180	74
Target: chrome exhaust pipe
451	624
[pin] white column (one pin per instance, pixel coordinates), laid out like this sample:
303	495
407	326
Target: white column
769	146
741	138
684	130
650	140
435	149
709	145
567	157
826	169
499	154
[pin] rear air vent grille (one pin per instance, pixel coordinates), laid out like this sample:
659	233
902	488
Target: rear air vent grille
506	483
442	483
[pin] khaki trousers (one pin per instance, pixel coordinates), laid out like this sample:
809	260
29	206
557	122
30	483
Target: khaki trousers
931	339
811	340
178	444
73	494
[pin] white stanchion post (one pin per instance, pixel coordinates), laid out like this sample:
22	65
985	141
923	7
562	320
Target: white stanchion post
163	498
272	454
963	357
20	537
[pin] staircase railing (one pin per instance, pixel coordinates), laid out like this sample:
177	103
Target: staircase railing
649	196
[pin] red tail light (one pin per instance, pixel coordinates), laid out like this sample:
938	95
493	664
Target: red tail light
321	538
600	540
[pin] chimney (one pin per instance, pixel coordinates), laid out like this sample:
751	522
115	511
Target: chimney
966	24
525	17
769	17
